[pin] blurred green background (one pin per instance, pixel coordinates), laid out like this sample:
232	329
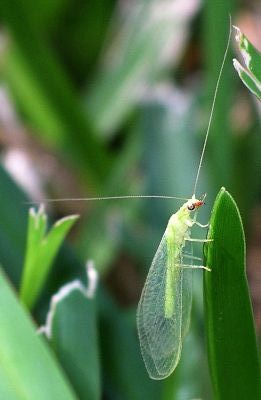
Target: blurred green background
109	98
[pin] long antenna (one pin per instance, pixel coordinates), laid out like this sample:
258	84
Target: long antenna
212	108
138	196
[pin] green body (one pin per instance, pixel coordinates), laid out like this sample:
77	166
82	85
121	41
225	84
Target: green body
178	229
163	313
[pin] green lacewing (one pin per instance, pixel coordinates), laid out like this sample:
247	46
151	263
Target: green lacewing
163	312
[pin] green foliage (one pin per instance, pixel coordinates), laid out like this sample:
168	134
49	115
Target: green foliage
12	233
215	33
138	55
251	73
232	348
27	367
73	337
41	250
44	94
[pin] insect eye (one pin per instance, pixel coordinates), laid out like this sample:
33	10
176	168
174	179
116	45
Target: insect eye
191	207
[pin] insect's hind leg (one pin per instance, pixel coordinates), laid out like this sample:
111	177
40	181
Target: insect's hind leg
195	267
199	240
188	256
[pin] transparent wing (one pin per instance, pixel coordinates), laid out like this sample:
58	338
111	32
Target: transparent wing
187	290
160	335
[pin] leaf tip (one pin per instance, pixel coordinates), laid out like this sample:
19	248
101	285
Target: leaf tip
238	34
72	218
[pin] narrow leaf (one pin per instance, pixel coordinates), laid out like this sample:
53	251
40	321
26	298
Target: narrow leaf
27	368
12	233
138	55
40	252
72	328
232	349
247	79
251	73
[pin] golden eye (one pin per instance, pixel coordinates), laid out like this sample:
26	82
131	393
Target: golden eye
191	207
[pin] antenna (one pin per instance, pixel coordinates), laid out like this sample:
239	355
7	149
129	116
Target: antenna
138	196
212	108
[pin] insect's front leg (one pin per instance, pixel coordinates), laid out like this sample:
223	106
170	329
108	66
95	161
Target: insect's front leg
201	225
195	222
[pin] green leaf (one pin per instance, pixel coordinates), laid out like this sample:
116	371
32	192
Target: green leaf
27	368
251	73
12	232
229	322
138	55
40	252
216	26
249	81
72	327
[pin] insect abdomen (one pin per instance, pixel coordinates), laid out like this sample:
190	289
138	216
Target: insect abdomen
176	232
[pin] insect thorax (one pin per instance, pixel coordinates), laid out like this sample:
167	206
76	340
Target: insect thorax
179	226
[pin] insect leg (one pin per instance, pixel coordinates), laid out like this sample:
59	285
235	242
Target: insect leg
195	267
201	225
199	240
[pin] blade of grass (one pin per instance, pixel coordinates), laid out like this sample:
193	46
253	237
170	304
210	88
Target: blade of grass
12	233
216	31
232	349
40	252
251	75
248	80
137	57
27	368
73	336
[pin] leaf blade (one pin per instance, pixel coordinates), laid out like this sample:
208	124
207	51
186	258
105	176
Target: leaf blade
40	252
74	338
232	347
25	362
251	75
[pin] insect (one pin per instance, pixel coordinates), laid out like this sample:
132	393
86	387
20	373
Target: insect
163	313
